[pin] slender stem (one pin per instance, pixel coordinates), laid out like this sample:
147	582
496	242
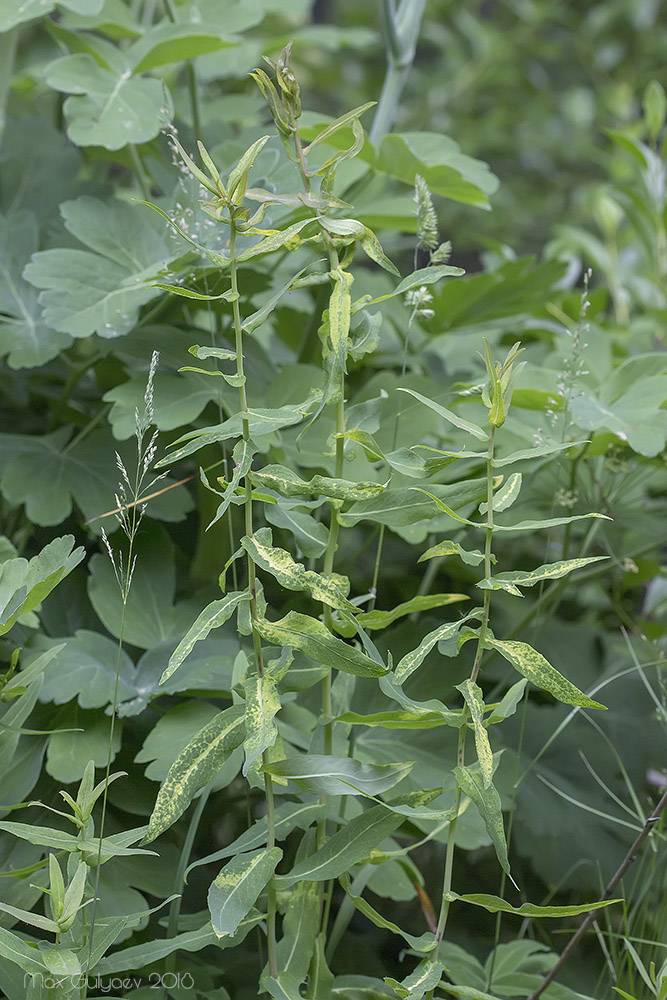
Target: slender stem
252	585
175	905
8	45
195	106
460	753
650	823
140	171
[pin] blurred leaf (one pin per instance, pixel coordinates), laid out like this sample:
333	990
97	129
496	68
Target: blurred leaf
321	774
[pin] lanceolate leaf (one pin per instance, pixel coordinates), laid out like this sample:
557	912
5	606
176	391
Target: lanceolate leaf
238	885
473	696
260	421
449	548
537	669
422	945
322	774
300	926
345	848
381	619
506	495
20	953
426	976
450	416
293	575
424	276
494	904
316	641
194	767
395	720
262	704
409	663
288	483
487	800
289	816
400	507
528	578
216	614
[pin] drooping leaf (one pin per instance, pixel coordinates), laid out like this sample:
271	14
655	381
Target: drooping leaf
474	699
394	720
194	767
486	798
311	536
322	774
423	276
409	663
289	816
237	887
294	576
345	848
506	495
449	548
262	704
316	641
537	669
422	945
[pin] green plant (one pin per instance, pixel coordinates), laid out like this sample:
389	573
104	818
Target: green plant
322	727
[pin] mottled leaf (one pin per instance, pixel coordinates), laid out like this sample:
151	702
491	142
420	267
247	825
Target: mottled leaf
539	671
237	887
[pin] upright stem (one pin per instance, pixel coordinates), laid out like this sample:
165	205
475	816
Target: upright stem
401	31
8	44
252	586
175	905
195	107
460	753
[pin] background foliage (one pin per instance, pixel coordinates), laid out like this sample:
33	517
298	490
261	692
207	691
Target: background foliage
538	129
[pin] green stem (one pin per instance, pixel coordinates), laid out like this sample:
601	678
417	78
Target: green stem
252	585
401	31
175	906
8	46
460	753
140	171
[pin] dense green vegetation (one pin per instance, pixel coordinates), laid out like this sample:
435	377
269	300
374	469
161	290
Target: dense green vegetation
332	499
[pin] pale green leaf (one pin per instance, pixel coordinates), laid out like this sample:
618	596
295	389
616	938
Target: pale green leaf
400	507
262	703
470	781
506	495
289	816
322	774
528	578
216	614
288	483
311	536
539	671
108	109
395	720
172	43
348	845
424	276
424	602
426	976
494	904
237	887
422	945
448	548
474	699
316	641
299	931
194	767
409	663
294	576
450	416
17	951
